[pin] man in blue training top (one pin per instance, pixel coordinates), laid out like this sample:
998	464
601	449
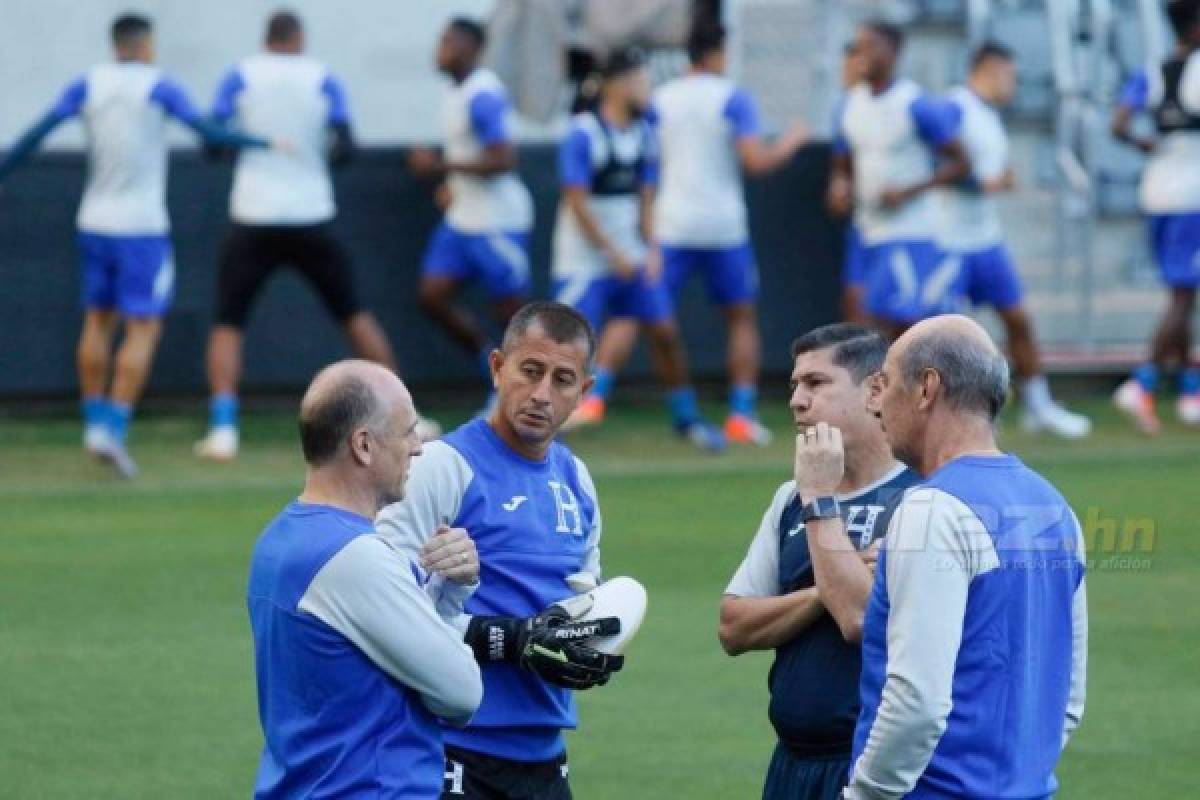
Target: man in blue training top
124	235
531	508
354	660
802	588
892	144
1170	198
975	636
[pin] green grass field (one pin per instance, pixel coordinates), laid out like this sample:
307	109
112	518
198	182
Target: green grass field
125	659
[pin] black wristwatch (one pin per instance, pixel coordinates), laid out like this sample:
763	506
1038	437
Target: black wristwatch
826	507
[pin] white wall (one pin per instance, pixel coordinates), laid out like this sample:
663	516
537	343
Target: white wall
381	49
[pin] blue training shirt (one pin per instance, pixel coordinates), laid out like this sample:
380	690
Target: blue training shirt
353	664
534	524
974	640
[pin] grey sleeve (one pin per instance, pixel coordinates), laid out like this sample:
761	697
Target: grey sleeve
935	547
368	594
433	495
591	563
758	574
1079	643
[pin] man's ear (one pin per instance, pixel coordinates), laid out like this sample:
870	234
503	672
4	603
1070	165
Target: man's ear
360	447
495	364
931	382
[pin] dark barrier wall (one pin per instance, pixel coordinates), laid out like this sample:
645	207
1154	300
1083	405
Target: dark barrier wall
385	217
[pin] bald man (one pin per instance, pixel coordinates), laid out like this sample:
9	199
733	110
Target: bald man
975	634
354	659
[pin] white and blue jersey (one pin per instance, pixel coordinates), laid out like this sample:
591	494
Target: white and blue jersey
974	639
613	165
814	679
534	524
893	138
124	241
1170	186
286	97
969	221
485	233
354	661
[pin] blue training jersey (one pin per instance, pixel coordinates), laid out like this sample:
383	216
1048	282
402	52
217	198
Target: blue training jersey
352	662
974	639
534	524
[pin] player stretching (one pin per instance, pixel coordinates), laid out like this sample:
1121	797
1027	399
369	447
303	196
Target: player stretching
854	275
803	586
969	227
888	137
605	262
485	233
708	128
531	508
1170	196
124	235
282	210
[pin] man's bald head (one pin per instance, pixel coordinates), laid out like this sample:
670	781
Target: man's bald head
342	398
973	372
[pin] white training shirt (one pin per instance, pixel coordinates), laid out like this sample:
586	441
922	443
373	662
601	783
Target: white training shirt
1171	179
288	97
968	220
699	118
477	114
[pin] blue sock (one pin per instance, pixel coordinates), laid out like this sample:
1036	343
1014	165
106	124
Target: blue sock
95	411
742	398
485	364
1147	376
118	420
1189	381
602	388
683	405
223	411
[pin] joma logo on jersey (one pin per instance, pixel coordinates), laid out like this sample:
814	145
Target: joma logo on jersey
570	516
860	523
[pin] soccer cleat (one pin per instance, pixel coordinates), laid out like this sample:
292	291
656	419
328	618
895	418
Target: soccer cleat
590	411
221	444
114	453
1138	404
428	429
1188	408
96	439
741	429
1056	420
706	436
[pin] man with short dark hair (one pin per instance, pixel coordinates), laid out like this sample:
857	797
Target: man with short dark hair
803	586
128	267
354	661
893	143
282	210
969	226
975	636
531	508
1170	198
484	235
708	134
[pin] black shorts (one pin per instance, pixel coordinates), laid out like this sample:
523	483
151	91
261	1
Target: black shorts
793	778
252	252
475	776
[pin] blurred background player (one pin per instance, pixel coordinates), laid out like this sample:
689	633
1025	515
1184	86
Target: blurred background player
127	265
282	208
969	227
531	508
802	588
484	235
887	141
605	263
1170	197
854	278
707	127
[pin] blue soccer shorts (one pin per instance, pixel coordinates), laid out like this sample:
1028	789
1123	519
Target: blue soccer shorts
134	275
499	261
991	278
1175	241
730	273
908	281
599	299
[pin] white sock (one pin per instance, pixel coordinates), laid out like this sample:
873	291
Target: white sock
1035	393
